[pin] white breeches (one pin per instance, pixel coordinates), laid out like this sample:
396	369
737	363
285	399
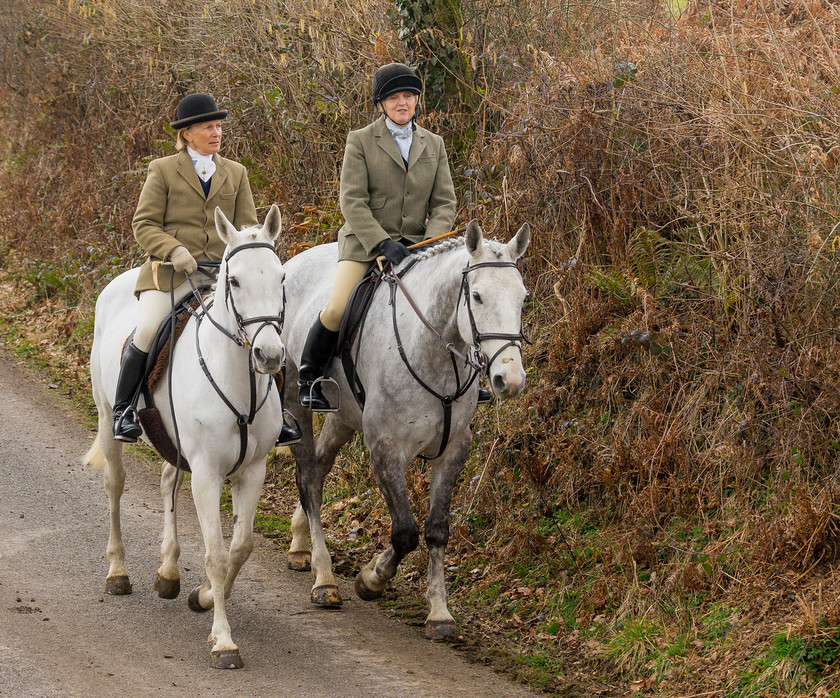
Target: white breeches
154	306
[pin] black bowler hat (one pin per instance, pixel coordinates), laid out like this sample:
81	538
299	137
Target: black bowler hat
194	109
395	77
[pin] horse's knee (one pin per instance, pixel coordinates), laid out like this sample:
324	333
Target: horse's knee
436	533
404	540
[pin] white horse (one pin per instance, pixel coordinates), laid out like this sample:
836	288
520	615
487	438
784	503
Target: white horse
239	332
419	400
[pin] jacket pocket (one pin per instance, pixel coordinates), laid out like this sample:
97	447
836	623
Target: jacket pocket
228	195
377	202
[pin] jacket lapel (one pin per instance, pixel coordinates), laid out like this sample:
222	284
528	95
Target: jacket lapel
187	170
385	140
218	178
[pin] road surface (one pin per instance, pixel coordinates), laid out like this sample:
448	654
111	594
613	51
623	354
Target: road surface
61	635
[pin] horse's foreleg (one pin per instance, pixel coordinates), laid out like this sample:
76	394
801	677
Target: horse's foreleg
207	490
389	472
445	472
168	579
246	494
310	473
117	581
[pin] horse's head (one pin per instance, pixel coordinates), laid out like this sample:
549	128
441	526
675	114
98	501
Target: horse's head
250	287
491	316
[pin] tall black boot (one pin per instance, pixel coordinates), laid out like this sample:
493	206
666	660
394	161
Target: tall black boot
320	343
126	424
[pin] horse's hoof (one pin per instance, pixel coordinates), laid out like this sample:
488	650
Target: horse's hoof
225	659
167	588
299	560
364	592
118	586
326	595
440	629
194	605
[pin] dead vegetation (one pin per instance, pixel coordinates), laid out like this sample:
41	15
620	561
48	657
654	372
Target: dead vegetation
662	506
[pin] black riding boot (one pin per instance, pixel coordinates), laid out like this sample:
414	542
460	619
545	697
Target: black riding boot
126	425
484	395
320	343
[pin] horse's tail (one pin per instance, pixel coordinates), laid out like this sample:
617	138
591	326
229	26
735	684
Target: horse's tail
94	458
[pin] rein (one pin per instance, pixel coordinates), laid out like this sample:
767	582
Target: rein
476	360
243	419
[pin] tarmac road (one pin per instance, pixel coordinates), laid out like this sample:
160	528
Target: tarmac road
61	635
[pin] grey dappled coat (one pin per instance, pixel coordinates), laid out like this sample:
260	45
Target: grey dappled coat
380	198
173	212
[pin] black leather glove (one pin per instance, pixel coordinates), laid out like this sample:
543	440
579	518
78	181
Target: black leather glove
395	252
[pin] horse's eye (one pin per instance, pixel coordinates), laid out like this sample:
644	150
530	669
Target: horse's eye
476	297
234	282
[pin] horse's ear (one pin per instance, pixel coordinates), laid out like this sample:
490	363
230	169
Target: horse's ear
475	240
223	226
273	222
519	242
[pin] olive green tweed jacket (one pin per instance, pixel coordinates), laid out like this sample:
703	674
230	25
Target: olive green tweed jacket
381	197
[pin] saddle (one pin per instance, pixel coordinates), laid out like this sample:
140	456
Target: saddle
351	326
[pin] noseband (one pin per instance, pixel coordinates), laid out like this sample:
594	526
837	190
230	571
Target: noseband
514	340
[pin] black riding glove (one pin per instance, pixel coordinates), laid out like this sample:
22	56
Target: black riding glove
395	252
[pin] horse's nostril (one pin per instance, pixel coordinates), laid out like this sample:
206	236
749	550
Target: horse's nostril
499	384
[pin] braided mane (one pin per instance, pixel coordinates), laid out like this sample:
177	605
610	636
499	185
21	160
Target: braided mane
439	248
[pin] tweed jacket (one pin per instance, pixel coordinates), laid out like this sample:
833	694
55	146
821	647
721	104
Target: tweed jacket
173	211
381	198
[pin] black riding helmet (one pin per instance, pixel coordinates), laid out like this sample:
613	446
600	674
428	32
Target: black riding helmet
395	77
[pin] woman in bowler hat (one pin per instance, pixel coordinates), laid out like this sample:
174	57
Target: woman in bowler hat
175	223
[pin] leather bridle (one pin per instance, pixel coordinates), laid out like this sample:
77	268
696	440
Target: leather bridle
243	419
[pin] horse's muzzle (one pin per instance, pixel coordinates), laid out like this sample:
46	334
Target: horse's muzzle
507	382
269	359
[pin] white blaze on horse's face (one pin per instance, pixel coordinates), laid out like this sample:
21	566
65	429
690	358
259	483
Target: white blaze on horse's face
255	291
496	298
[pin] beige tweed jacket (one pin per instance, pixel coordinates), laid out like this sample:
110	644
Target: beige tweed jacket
173	211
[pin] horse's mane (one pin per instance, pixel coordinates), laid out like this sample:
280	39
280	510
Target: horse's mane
437	248
449	244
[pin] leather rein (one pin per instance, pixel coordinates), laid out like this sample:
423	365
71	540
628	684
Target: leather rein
476	359
243	419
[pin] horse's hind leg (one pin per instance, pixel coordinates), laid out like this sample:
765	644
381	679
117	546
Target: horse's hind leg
313	465
117	581
389	470
445	472
299	556
168	579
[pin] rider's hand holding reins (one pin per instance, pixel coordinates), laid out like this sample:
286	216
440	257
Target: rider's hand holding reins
395	252
182	260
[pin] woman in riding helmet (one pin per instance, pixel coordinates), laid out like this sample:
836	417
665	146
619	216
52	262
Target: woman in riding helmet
396	189
175	223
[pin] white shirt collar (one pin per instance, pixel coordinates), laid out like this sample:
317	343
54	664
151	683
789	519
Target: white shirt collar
399	131
204	165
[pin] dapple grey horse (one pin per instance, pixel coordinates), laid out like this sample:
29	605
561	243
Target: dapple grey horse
239	332
471	292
